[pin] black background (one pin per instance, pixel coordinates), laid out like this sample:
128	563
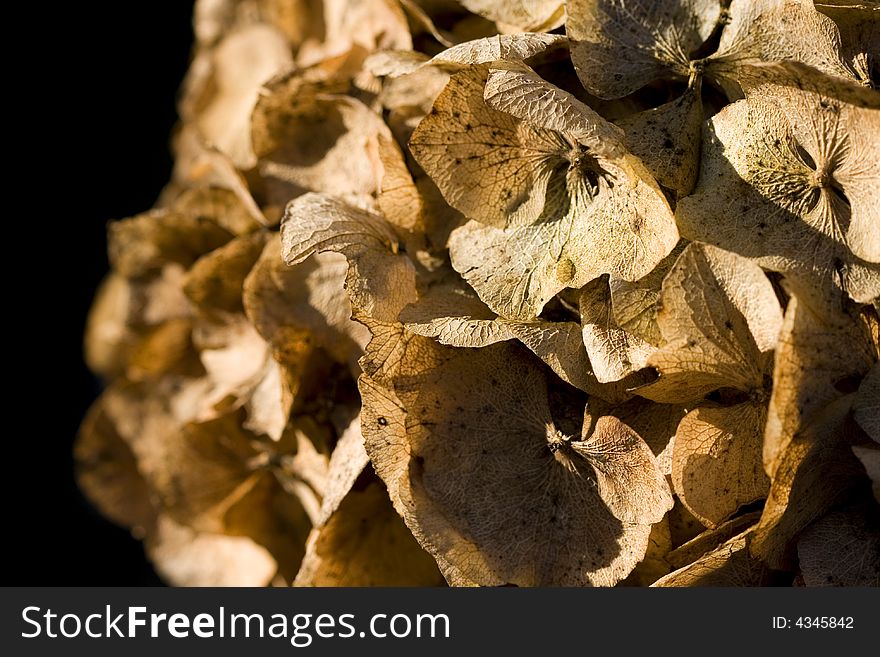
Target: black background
94	146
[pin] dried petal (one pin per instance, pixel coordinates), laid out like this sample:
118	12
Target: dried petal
789	179
556	212
614	353
717	466
214	282
380	281
520	15
814	472
819	360
308	296
471	516
842	549
306	138
145	243
618	46
186	557
728	565
866	407
106	468
710	539
720	319
221	105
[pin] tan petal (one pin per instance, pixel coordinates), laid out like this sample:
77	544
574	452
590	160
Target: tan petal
365	543
230	206
369	24
656	424
561	347
125	312
667	139
630	481
819	360
788	179
720	317
400	199
488	165
185	557
654	565
512	87
235	358
380	282
549	209
214	282
164	349
275	519
633	303
451	313
145	243
308	296
859	33
814	472
308	138
221	106
106	469
413	81
205	181
473	516
717	465
614	352
318	222
728	565
203	470
773	30
512	47
213	19
347	462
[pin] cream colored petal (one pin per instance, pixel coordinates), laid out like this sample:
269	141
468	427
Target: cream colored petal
240	64
520	15
774	175
185	557
618	46
614	352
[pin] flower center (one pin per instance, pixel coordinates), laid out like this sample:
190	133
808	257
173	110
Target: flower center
558	445
585	168
821	178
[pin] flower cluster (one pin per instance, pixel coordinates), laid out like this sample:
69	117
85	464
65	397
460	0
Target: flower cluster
497	292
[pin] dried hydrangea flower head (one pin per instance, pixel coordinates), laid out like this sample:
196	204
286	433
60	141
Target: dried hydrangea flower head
490	293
